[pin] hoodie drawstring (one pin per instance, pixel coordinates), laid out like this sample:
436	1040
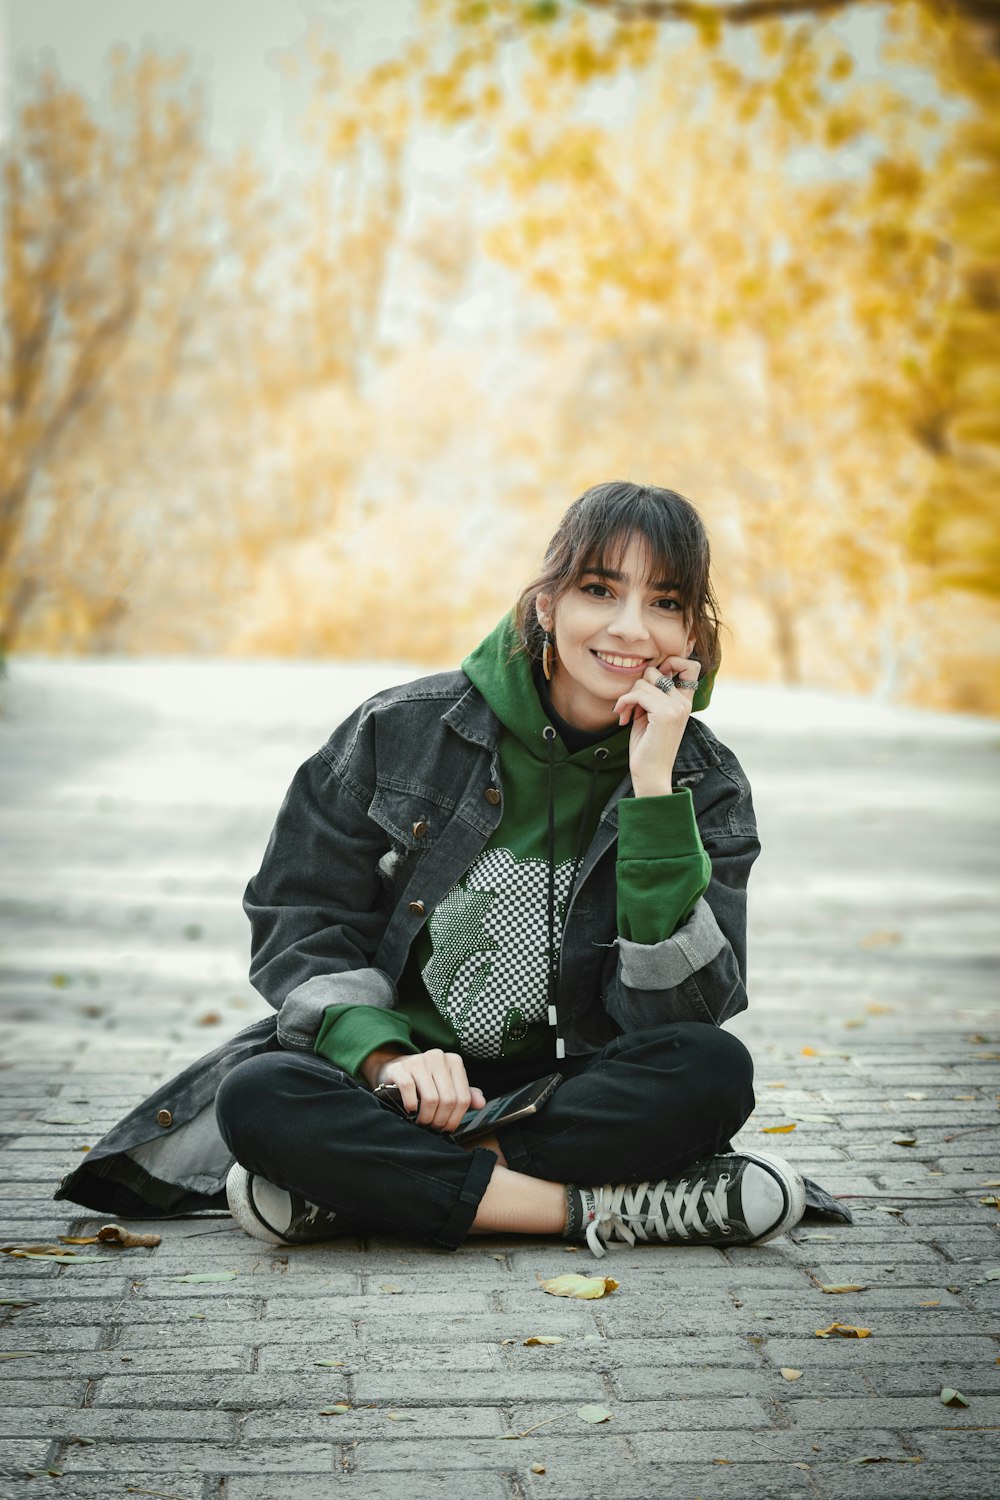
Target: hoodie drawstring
600	754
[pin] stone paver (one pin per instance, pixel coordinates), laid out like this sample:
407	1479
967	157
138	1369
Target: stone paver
135	799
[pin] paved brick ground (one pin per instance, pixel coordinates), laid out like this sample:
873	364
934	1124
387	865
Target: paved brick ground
135	800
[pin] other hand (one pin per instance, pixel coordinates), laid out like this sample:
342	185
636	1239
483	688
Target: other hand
434	1086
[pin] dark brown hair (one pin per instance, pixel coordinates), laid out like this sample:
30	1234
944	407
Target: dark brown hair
595	533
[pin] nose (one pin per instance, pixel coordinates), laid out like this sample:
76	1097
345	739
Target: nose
628	623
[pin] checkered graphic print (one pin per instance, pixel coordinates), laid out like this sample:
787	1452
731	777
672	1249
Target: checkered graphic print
489	970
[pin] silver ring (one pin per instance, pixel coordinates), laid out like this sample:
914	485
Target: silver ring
688	686
664	683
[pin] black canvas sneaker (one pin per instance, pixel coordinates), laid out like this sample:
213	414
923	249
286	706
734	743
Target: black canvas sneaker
276	1215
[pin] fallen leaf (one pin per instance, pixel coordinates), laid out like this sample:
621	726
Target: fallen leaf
844	1286
199	1276
64	1119
915	1096
593	1414
15	1302
776	1129
809	1052
928	1304
574	1285
545	1339
335	1411
210	1018
30	1354
768	1086
537	1468
884	1458
853	1022
390	1286
791	1374
950	1397
883	938
84	1442
990	1202
398	1416
877	1009
843	1331
904	1140
994	1182
78	1239
329	1362
988	1056
993	1274
115	1234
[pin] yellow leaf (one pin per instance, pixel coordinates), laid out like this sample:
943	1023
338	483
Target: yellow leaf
928	1304
791	1374
843	1331
809	1052
776	1129
573	1285
845	1286
543	1338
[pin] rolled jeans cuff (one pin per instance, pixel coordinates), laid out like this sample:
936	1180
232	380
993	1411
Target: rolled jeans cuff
455	1228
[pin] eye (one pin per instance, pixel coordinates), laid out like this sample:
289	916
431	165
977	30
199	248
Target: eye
596	590
669	604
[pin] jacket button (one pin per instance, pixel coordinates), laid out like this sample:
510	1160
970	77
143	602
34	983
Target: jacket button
164	1118
419	829
417	908
492	795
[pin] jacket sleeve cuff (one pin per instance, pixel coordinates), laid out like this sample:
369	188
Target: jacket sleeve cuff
301	1015
350	1032
662	966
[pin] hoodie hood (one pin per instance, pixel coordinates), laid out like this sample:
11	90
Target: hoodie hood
502	673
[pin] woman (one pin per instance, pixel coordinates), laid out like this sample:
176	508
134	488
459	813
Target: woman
535	864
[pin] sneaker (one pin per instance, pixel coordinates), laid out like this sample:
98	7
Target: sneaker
740	1199
274	1214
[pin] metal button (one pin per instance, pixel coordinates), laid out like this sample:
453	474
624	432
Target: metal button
417	908
419	829
492	795
164	1118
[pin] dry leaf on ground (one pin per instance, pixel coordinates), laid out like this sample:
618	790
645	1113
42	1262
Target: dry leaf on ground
335	1411
116	1234
791	1374
843	1286
951	1397
573	1285
543	1338
538	1468
593	1414
843	1331
776	1129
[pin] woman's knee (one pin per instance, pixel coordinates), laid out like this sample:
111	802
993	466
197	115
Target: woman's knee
247	1104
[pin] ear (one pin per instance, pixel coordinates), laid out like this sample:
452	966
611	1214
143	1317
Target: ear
542	614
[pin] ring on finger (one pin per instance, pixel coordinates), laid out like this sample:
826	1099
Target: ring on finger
665	684
689	685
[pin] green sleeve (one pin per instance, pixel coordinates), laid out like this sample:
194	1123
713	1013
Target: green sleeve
662	866
349	1032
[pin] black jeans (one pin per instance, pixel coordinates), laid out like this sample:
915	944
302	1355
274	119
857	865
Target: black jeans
644	1107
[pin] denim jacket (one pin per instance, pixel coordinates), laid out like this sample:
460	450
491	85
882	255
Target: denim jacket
376	828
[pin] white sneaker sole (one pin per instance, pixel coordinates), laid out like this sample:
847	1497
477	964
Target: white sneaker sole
242	1209
793	1186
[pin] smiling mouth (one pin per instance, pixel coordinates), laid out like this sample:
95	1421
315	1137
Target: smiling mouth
622	663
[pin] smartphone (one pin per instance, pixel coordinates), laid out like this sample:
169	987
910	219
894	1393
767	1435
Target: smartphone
495	1113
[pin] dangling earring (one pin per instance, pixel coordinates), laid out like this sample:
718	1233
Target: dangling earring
548	657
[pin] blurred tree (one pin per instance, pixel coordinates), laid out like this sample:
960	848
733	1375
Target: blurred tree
90	217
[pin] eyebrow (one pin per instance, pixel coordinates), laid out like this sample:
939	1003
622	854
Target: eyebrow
660	586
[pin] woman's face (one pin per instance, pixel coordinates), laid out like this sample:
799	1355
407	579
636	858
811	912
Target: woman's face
607	630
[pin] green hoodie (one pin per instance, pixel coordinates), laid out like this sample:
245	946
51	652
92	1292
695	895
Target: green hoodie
476	978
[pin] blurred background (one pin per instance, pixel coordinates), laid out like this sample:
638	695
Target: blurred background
316	316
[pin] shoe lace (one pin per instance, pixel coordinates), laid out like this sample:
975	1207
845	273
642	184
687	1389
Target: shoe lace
660	1210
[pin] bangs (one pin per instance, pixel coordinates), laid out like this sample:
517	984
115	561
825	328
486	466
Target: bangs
671	536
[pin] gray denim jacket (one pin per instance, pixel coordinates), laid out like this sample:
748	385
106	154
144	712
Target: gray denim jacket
376	828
